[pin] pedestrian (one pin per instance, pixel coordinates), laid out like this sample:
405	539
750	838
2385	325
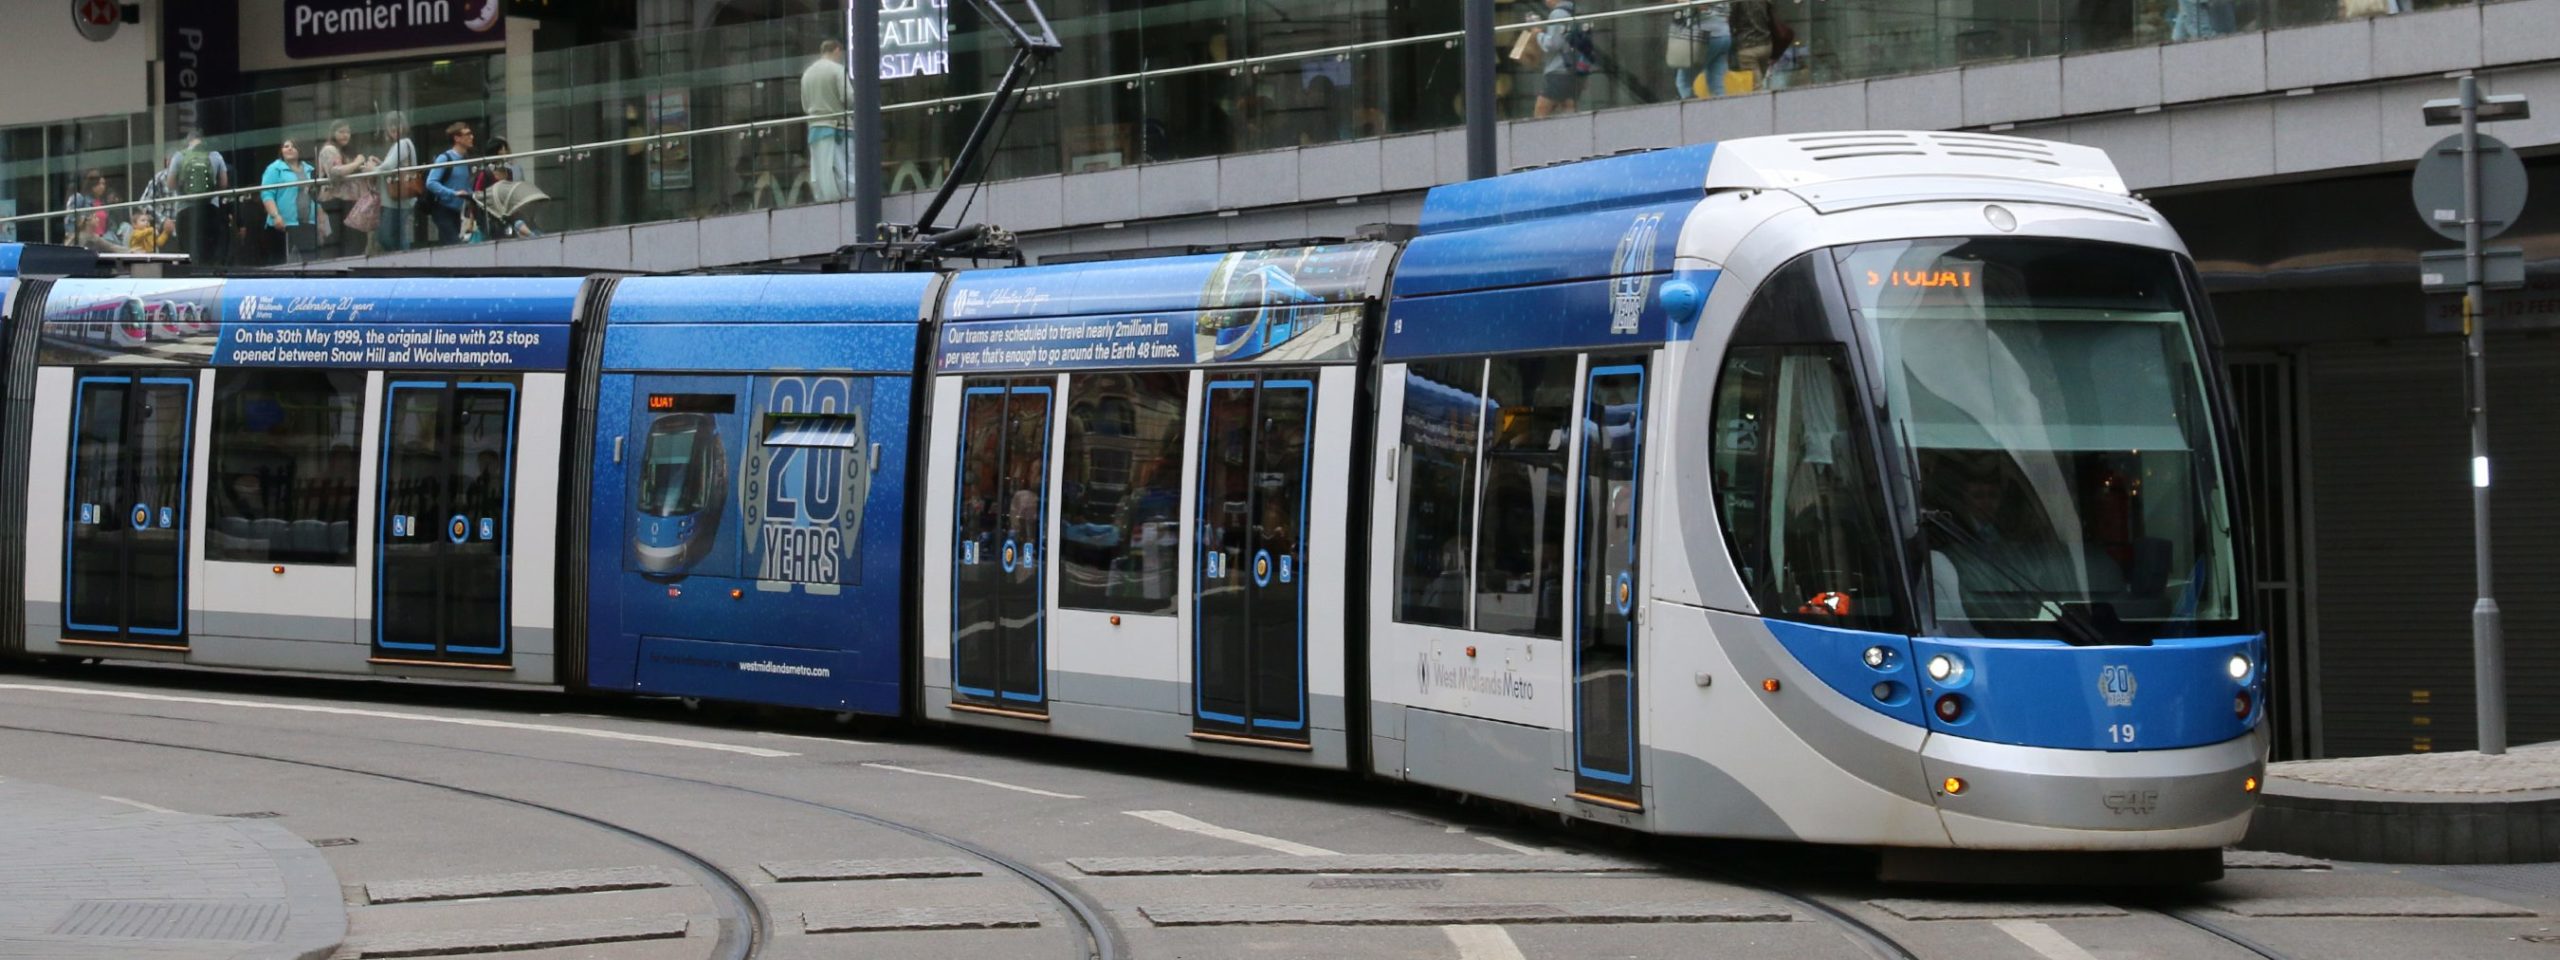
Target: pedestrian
1566	47
146	233
84	220
342	166
449	187
194	171
1701	44
399	184
290	204
822	97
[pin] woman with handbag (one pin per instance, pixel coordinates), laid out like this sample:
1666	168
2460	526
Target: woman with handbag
400	184
1701	43
343	168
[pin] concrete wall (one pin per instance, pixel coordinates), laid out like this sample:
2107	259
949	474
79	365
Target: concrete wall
2252	107
55	74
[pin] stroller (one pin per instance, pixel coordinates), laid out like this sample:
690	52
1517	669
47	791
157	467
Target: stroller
504	210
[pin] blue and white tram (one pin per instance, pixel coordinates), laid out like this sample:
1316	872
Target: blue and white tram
349	475
1866	489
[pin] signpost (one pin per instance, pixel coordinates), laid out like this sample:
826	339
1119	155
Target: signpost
2454	193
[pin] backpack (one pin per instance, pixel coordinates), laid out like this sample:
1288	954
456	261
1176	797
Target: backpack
1579	54
195	171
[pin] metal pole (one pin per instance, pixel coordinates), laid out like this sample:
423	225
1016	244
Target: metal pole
862	63
1482	56
2488	648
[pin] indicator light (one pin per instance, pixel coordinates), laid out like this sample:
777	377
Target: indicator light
2249	785
1954	786
1770	684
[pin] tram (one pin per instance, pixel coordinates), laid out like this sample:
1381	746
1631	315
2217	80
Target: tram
1862	488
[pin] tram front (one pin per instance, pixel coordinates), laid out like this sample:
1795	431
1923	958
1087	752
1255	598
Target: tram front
1974	473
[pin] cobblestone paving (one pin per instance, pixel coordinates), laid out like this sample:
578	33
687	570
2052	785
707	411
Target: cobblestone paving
2534	767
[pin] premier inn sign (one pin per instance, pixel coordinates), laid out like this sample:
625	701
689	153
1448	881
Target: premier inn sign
333	28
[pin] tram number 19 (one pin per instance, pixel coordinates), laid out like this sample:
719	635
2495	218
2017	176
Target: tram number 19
2120	733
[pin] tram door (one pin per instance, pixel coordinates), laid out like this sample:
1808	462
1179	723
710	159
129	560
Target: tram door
124	579
1249	636
998	633
1605	741
444	534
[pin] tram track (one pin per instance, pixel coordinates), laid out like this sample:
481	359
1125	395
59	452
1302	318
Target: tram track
1096	937
2194	917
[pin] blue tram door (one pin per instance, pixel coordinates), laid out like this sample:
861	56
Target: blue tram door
1249	637
998	633
124	577
443	533
1606	745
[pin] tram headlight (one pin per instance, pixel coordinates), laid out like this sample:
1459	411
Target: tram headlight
1877	657
1943	667
2239	667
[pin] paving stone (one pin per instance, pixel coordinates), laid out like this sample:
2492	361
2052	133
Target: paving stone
539	936
2269	860
1355	863
252	921
1432	914
1992	910
2525	768
533	884
814	871
918	918
2374	907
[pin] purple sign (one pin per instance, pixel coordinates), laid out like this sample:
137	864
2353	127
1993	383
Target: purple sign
200	53
332	28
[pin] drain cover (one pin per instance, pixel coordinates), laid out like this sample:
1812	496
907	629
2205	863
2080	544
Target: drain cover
252	815
251	920
1376	883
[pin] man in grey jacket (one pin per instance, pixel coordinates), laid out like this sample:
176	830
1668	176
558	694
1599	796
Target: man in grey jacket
823	89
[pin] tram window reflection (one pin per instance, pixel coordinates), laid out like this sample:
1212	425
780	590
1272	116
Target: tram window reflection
1519	565
284	466
1122	531
1443	424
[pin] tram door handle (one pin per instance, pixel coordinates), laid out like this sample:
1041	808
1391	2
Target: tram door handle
617	448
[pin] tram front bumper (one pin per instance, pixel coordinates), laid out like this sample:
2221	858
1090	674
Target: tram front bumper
2016	797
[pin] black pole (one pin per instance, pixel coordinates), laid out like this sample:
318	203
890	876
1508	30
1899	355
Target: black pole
1483	54
862	63
1015	74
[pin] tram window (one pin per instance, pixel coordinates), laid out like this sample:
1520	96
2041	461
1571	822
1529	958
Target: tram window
1796	484
283	488
1443	425
1520	560
1122	542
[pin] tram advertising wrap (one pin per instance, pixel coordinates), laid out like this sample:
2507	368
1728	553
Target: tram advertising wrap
785	508
278	323
1272	306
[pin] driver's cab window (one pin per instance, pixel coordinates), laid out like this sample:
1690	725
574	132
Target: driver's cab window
1796	484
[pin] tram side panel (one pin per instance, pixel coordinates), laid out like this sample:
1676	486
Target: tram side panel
304	475
747	536
1134	496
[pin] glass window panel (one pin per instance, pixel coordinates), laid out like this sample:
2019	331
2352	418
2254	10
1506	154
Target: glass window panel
284	466
1519	577
1435	525
1121	548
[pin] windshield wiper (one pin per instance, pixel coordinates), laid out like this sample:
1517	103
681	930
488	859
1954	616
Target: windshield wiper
2083	631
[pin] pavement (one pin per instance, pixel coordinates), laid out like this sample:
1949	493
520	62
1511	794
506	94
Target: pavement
2430	808
83	875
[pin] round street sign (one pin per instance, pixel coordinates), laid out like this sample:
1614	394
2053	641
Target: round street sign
2437	187
96	19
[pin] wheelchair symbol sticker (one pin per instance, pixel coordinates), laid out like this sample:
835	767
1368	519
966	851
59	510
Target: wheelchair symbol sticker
1284	569
399	525
1216	561
488	528
969	553
89	514
1026	554
166	514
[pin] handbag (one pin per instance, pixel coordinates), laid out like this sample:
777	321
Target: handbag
1526	50
366	215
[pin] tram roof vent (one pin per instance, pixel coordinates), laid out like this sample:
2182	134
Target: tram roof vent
1799	160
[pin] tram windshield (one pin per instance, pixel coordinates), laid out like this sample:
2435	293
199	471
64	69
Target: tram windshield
671	475
2051	402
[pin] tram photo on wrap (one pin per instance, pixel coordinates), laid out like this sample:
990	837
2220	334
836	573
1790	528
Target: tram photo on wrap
1872	490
